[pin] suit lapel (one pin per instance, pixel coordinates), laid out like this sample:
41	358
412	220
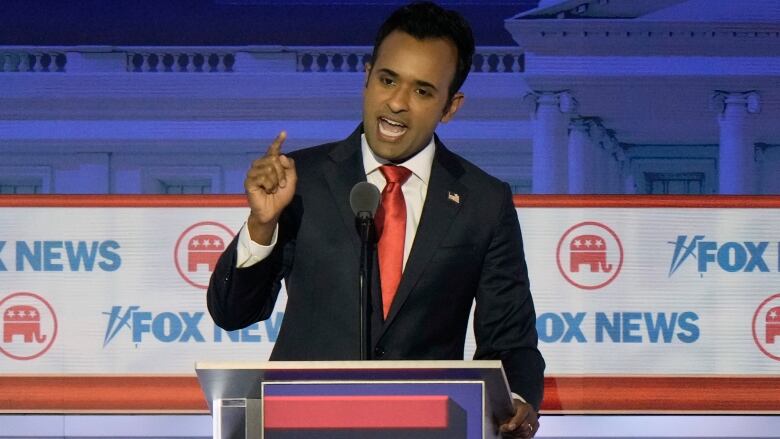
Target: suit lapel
342	172
438	212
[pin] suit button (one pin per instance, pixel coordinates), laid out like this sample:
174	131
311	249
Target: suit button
379	352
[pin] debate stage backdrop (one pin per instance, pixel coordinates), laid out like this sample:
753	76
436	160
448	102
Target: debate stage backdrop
644	305
649	305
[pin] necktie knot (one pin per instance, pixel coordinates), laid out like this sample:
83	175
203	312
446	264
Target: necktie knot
395	174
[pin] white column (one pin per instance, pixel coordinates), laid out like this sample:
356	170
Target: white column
628	172
580	157
602	178
550	142
613	177
621	165
737	164
600	140
761	175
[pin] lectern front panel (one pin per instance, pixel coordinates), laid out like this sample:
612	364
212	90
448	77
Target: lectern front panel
375	410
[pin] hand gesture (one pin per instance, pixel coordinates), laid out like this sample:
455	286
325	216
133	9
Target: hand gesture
270	186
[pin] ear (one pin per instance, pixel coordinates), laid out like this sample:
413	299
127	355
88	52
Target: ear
368	67
452	107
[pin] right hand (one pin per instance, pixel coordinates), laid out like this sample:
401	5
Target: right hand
270	186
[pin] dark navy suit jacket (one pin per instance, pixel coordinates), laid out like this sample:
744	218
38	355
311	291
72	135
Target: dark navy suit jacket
468	246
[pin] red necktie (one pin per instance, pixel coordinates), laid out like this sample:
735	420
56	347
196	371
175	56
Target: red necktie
391	227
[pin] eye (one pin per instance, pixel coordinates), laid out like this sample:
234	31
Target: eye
387	81
423	92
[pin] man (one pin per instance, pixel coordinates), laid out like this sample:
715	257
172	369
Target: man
448	232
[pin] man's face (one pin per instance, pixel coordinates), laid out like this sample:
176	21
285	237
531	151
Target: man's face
406	94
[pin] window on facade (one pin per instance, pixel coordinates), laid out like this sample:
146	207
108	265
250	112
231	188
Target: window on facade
659	183
182	187
21	186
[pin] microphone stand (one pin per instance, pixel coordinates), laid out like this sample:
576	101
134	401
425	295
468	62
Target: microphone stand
365	223
364	200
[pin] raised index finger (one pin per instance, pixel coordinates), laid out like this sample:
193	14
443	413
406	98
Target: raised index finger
276	147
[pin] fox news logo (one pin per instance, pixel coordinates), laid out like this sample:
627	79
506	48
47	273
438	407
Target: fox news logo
69	256
730	256
181	327
618	327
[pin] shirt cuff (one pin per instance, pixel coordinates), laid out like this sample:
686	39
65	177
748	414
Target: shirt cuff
248	252
518	397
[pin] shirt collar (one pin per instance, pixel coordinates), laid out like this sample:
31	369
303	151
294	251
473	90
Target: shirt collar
420	164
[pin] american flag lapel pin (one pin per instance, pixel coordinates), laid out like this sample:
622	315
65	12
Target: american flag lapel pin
452	196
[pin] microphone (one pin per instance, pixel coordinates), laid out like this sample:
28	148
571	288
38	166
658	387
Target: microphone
364	200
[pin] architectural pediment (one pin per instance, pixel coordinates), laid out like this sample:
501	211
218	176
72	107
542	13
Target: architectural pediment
662	27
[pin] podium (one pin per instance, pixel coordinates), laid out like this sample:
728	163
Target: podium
356	399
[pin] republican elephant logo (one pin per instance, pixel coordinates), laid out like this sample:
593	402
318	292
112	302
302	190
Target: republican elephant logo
589	250
766	327
204	250
198	249
24	321
28	324
589	255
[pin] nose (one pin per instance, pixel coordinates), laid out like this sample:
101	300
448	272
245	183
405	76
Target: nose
398	100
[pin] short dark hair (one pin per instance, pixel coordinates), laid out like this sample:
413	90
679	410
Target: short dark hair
424	20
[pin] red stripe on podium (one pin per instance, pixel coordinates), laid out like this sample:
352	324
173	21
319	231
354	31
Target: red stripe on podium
615	394
570	394
101	394
352	412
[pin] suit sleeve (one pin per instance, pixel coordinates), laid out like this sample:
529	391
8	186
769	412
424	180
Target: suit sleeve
504	317
239	297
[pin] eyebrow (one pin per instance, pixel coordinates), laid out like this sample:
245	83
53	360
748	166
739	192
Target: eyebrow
418	82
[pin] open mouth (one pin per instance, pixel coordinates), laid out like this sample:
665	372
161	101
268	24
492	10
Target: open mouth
391	128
